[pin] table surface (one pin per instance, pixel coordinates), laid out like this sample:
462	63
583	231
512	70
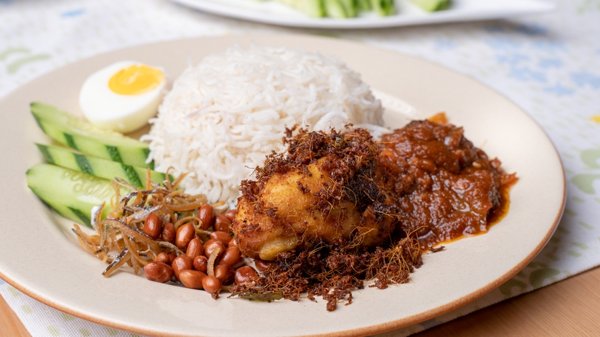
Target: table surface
567	308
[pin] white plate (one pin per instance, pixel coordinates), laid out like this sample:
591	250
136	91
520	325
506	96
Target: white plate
461	10
40	258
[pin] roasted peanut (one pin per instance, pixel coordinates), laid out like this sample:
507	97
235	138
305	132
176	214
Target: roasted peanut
211	245
232	256
168	233
262	265
152	226
191	278
221	236
206	215
194	248
158	272
245	274
224	273
211	284
164	257
200	263
185	234
222	223
181	263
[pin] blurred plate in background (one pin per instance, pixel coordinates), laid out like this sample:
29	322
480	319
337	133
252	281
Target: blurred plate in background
275	13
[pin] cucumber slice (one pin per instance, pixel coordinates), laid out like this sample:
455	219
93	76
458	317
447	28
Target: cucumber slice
312	8
432	5
384	7
363	5
101	168
335	9
70	193
350	7
82	136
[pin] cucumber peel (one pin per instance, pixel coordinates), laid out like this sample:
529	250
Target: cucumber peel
341	9
99	167
312	8
82	136
431	5
384	7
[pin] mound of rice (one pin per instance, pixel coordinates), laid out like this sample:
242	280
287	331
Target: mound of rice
224	115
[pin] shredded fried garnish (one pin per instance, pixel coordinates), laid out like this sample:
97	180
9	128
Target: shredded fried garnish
333	272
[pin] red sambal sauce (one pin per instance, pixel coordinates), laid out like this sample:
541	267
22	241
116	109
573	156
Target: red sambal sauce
446	187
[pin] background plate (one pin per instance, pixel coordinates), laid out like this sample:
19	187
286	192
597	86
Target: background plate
39	257
461	10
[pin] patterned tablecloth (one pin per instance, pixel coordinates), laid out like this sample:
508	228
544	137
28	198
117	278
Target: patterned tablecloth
548	64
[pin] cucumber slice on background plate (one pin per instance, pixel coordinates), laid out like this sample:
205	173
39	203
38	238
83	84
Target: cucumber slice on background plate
312	8
364	5
82	136
431	5
351	7
70	193
384	7
335	9
99	167
341	9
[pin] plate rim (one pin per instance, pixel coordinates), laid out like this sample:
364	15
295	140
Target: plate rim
359	331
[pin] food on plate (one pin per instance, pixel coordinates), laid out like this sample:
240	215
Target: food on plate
224	115
312	8
285	181
323	190
82	136
381	7
342	9
432	5
445	186
122	96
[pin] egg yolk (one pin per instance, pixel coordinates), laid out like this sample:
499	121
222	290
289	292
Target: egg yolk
135	79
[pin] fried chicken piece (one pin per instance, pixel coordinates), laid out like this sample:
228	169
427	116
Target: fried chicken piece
323	190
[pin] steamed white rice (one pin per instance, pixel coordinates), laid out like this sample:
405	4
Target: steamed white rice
224	115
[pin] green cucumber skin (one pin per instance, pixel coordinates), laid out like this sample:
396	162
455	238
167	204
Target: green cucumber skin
312	8
98	167
67	130
350	7
432	5
315	8
343	9
70	193
335	9
364	5
384	7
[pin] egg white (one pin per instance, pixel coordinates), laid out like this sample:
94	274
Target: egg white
109	110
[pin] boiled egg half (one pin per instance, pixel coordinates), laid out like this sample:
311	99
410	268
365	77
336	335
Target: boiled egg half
122	96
